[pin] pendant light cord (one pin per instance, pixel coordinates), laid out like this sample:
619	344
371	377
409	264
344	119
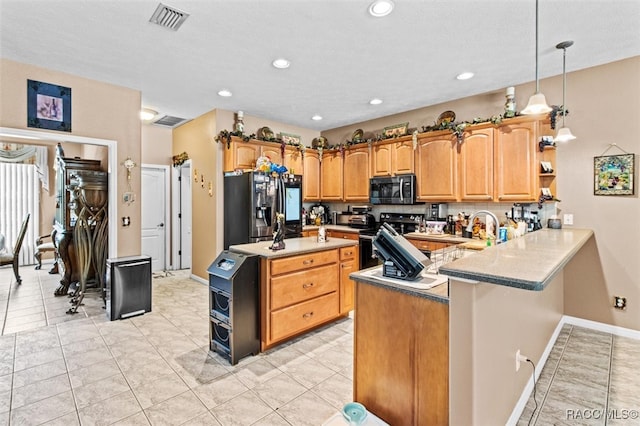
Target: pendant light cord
537	81
564	84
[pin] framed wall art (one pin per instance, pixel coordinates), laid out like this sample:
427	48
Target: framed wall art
290	139
613	174
395	130
48	106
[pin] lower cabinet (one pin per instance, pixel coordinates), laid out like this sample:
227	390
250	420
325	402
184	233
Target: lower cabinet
349	260
401	364
425	245
301	292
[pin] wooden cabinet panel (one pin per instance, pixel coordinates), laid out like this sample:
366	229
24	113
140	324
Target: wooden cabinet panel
272	151
437	168
342	234
401	368
302	316
311	180
293	161
381	159
476	165
240	155
331	172
402	157
296	287
349	259
303	262
515	162
356	174
428	245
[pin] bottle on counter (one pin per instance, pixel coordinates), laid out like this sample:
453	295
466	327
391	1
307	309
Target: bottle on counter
322	233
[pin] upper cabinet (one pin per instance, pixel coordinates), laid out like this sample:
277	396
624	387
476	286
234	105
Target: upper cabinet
311	179
332	178
515	162
356	174
293	160
476	166
240	155
392	158
437	168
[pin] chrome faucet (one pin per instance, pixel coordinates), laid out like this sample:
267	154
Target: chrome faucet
493	216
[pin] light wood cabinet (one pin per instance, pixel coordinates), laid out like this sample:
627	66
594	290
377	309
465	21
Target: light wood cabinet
437	168
356	174
311	180
392	158
381	159
241	155
349	258
332	233
475	164
298	293
401	356
332	178
293	160
548	154
428	245
515	161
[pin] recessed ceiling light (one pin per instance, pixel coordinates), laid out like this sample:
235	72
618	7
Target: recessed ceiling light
224	93
380	8
316	117
375	101
281	63
465	76
147	114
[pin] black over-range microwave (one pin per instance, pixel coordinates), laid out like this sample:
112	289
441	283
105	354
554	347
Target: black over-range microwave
400	189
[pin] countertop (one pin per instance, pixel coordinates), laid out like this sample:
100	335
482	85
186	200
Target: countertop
528	262
373	276
293	246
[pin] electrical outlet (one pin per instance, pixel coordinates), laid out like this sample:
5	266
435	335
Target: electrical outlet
568	219
519	359
619	302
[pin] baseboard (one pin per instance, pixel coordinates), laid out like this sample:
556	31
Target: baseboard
569	320
199	279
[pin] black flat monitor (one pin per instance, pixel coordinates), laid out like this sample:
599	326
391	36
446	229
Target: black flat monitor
402	259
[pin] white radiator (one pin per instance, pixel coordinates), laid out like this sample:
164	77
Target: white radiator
19	195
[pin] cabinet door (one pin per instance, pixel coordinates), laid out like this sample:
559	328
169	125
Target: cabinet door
515	162
476	165
356	174
436	168
311	179
349	257
402	157
331	176
381	159
240	155
293	160
272	151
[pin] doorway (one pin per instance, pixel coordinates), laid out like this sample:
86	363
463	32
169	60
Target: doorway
155	214
181	195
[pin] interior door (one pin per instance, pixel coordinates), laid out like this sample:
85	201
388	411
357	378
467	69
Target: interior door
181	216
154	220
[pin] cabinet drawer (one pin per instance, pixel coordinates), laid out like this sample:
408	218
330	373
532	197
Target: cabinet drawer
347	253
303	261
293	319
299	286
344	235
421	244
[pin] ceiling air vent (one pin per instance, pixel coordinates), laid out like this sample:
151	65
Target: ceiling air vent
169	121
168	17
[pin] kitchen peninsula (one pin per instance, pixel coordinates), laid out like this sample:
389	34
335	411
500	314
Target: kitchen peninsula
302	286
506	298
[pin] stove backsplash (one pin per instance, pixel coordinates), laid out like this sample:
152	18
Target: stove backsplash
548	210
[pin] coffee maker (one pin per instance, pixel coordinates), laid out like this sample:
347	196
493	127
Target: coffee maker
437	211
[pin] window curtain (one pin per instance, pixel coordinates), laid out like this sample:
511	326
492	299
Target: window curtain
19	195
24	154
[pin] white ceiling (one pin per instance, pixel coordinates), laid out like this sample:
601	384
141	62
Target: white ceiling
341	56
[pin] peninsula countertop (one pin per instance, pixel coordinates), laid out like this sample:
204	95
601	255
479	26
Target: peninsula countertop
293	246
529	262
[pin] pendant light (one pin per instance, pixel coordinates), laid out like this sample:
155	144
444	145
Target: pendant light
564	134
537	102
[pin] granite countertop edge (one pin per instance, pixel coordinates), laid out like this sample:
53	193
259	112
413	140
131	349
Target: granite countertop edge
457	270
293	247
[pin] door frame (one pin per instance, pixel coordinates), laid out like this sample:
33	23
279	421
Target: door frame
167	210
112	147
175	206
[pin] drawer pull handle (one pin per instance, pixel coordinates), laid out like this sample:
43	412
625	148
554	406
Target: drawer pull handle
307	285
307	262
348	253
307	315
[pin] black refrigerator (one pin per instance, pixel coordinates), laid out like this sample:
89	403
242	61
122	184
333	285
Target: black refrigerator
251	201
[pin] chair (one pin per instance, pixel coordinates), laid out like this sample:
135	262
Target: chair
42	247
12	258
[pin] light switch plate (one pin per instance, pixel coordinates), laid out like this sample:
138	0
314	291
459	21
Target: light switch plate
568	219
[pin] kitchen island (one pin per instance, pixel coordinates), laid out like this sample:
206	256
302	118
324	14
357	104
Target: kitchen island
506	298
302	286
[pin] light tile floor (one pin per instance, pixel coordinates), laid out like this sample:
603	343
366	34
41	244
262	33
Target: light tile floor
60	369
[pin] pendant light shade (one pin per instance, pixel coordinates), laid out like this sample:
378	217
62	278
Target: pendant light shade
537	103
564	134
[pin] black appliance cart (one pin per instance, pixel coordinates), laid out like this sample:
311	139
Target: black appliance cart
128	287
234	330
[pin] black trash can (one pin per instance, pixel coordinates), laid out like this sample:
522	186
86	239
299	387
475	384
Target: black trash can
234	330
128	287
